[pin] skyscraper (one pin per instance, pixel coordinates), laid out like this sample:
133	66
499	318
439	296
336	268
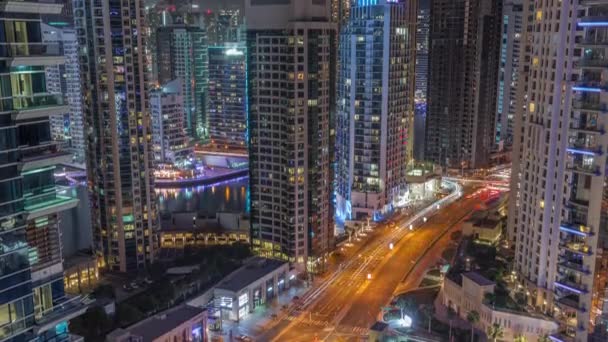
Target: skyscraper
422	72
560	213
464	44
117	122
33	303
289	67
68	127
375	108
508	78
228	96
169	141
182	54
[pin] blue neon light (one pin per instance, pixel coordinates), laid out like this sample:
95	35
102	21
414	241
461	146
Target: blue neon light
593	90
593	24
573	231
570	288
367	2
577	151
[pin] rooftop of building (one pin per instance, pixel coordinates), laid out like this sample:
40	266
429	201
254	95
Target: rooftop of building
160	324
478	278
253	270
197	222
486	219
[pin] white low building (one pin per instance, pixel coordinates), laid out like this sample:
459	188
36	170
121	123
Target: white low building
469	295
253	285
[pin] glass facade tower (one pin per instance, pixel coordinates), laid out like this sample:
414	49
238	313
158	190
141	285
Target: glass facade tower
375	104
33	303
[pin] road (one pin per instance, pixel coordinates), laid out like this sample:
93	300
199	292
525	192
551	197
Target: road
347	303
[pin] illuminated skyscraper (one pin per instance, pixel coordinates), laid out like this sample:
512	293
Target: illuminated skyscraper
375	108
559	210
182	54
33	304
228	96
118	133
289	66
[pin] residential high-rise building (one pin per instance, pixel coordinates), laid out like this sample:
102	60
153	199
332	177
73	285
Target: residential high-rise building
422	48
464	46
340	11
289	66
228	96
559	227
375	107
169	140
508	77
68	127
224	25
33	305
118	134
182	54
422	71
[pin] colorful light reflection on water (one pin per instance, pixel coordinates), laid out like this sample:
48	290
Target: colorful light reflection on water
229	195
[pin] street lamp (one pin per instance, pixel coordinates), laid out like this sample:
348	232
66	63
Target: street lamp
424	219
369	276
411	226
390	246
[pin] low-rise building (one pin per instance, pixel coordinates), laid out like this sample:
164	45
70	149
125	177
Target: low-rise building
253	285
484	226
182	230
466	292
181	324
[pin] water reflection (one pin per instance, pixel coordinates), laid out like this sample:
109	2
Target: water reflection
226	196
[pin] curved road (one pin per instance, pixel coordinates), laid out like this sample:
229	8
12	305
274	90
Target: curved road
345	304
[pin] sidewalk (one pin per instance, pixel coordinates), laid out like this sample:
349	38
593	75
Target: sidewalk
261	318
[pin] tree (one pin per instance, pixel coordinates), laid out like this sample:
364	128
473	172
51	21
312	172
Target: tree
544	338
428	310
495	332
520	338
491	298
451	314
473	318
406	305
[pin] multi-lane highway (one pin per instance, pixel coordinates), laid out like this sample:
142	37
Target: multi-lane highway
345	304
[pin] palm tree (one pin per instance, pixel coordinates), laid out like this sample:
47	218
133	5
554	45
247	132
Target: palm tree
451	314
406	305
473	318
428	310
495	332
520	338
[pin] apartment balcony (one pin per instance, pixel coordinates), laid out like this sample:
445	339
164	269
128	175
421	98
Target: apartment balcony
591	63
34	106
40	156
591	170
584	150
590	42
583	128
589	105
32	54
60	312
578	230
570	302
590	87
52	200
570	286
580	268
576	247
